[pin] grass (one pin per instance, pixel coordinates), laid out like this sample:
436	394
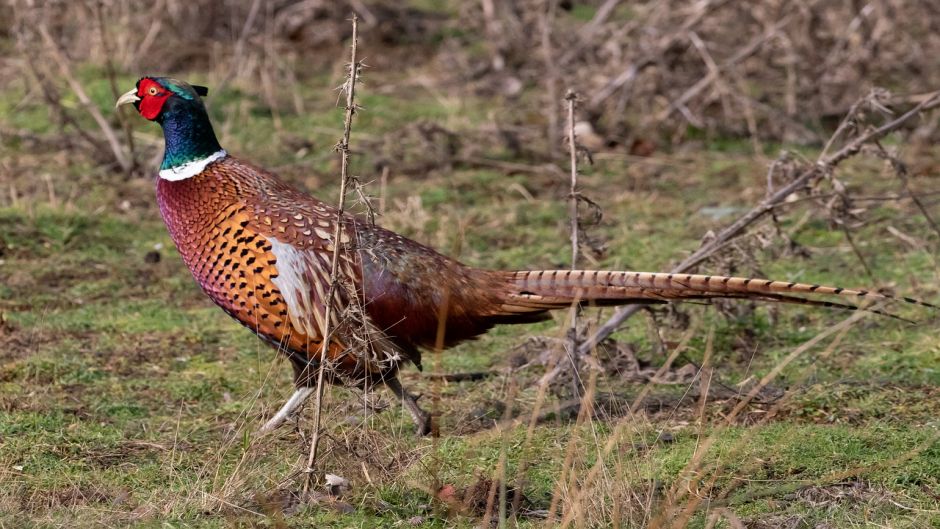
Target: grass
125	396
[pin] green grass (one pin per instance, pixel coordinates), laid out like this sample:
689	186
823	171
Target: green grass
126	396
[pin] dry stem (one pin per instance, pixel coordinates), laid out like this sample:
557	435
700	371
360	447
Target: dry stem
571	98
343	148
546	18
65	69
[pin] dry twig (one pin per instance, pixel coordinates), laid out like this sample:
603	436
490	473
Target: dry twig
65	69
343	148
571	98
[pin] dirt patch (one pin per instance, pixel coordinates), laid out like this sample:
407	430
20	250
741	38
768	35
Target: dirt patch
849	402
22	343
130	452
778	522
39	501
482	499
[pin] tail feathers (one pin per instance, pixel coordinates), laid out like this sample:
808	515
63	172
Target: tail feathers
540	290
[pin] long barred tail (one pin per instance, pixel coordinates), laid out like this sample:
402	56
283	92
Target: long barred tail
539	290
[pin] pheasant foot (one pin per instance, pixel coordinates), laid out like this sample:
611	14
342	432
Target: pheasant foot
421	418
295	400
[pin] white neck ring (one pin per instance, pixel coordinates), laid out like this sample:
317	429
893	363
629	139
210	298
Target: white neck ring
191	168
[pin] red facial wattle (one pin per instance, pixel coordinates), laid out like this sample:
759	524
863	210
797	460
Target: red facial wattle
152	97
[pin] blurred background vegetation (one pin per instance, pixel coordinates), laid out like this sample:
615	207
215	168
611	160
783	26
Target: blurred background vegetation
127	399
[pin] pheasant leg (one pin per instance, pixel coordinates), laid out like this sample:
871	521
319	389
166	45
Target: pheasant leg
295	400
421	418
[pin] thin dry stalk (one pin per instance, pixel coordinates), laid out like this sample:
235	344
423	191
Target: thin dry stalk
717	472
603	12
239	48
112	81
566	483
494	29
547	18
343	148
571	98
825	165
704	492
585	415
900	169
65	69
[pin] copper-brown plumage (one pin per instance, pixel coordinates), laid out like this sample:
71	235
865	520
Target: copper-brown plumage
262	251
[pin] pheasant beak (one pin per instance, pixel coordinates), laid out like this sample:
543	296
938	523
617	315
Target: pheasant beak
129	97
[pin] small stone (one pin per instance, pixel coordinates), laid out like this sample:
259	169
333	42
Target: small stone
336	485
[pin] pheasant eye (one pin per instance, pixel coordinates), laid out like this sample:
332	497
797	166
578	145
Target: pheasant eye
152	90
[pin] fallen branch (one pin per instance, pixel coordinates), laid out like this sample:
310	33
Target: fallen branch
822	167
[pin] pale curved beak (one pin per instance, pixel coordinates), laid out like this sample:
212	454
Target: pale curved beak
129	97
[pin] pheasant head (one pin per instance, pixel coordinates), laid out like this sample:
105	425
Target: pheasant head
178	108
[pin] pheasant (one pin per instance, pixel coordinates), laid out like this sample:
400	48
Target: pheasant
261	250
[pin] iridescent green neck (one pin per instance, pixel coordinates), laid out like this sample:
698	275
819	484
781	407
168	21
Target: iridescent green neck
187	132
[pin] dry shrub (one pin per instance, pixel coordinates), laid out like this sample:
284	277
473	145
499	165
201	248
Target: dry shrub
770	68
649	73
172	35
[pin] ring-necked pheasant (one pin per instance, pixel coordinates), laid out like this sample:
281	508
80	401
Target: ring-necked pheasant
261	250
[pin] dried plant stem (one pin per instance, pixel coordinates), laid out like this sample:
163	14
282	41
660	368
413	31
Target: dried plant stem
900	169
239	48
343	148
571	98
547	18
116	149
824	165
112	82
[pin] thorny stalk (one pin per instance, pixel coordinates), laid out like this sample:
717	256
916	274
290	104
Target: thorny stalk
363	199
571	98
823	166
343	148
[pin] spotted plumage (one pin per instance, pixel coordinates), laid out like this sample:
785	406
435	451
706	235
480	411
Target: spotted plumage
262	251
